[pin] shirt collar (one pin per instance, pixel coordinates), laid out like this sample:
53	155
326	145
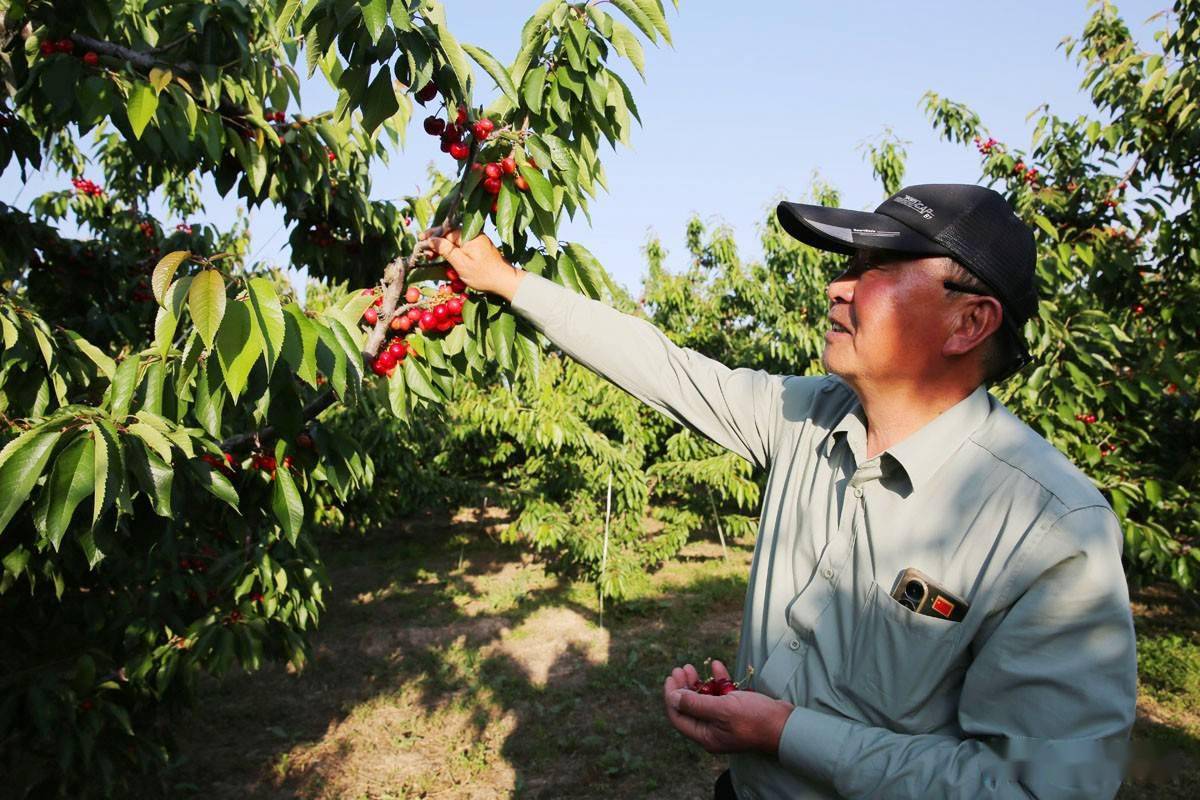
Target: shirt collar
922	453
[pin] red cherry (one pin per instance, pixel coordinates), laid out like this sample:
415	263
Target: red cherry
414	314
457	286
495	206
522	184
434	126
91	59
330	154
386	360
454	306
46	48
508	165
428	320
461	119
492	171
483	129
378	301
440	311
1090	419
428	93
446	145
394	323
476	167
451	274
459	151
404	325
1139	309
445	325
533	163
492	185
1171	388
370	316
65	46
452	133
397	348
413	295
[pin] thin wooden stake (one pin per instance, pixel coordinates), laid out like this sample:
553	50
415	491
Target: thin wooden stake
721	533
604	554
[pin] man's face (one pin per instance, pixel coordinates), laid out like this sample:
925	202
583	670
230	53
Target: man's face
889	320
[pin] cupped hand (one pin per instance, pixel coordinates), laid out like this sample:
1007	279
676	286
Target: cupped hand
478	263
731	723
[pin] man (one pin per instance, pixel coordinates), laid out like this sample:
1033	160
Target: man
1009	671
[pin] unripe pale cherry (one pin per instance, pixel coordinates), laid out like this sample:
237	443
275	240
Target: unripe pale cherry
413	295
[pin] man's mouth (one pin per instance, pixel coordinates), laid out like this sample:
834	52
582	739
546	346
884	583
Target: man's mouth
837	327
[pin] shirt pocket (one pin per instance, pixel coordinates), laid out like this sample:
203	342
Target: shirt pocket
905	669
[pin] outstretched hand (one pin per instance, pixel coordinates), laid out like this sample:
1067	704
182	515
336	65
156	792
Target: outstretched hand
731	723
478	262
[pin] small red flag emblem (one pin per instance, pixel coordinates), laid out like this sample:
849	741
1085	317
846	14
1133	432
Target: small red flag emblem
943	606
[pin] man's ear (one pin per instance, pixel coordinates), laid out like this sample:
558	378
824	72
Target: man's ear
977	318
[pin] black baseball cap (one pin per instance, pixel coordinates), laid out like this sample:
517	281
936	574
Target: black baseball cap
972	224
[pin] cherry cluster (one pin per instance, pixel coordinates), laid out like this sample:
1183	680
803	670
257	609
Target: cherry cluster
985	147
87	187
184	228
275	116
438	315
1086	419
215	462
67	47
1031	173
141	293
268	464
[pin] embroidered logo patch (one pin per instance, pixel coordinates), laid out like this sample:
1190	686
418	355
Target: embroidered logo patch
942	606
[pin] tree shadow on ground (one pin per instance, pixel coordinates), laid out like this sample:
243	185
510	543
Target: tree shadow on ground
486	680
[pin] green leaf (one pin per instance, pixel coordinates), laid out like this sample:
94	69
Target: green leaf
501	333
539	187
380	102
532	89
164	272
285	17
626	43
206	302
107	466
398	391
21	463
591	274
153	439
495	69
106	365
455	57
143	102
375	15
215	483
167	319
237	347
287	503
638	17
155	477
416	376
1153	492
506	212
72	478
267	316
121	390
300	344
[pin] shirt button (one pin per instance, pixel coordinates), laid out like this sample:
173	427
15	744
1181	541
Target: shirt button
794	644
828	573
858	491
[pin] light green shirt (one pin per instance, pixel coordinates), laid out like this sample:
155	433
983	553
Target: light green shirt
1032	694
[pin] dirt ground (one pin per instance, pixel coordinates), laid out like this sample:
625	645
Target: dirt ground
449	665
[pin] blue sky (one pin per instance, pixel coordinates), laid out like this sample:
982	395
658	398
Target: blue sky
757	97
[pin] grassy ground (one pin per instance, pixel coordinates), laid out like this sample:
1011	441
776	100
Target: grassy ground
451	666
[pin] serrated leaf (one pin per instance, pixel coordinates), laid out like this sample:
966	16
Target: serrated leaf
626	43
267	316
237	347
285	17
108	467
153	439
215	483
456	58
506	212
143	102
539	187
121	391
380	102
72	478
638	17
375	16
417	377
287	504
21	463
166	321
532	89
398	393
495	69
300	344
106	365
164	273
206	302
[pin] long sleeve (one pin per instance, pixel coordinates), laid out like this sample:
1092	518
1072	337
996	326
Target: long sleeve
1046	704
735	408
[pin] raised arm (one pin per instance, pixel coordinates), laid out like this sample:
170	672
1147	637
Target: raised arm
736	408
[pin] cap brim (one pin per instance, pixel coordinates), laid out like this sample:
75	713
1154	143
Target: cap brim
841	230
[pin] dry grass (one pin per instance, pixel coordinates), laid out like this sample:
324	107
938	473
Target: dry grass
453	670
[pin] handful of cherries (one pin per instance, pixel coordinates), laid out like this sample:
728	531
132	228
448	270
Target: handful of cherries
722	686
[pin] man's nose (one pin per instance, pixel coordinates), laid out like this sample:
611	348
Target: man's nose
841	288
